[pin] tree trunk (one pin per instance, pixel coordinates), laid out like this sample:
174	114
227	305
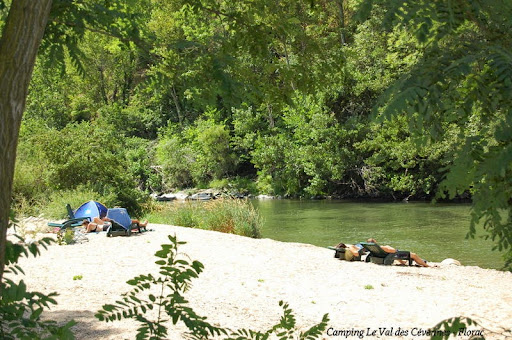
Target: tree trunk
176	103
21	37
342	22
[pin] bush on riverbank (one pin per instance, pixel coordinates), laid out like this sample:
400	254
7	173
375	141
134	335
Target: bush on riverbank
228	216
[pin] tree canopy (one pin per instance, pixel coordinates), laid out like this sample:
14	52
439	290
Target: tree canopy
345	98
462	86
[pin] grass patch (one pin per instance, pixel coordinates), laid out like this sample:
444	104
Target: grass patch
77	277
368	287
56	207
227	216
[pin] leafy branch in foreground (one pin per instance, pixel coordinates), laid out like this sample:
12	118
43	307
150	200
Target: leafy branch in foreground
459	326
460	86
20	310
285	329
176	275
455	327
171	306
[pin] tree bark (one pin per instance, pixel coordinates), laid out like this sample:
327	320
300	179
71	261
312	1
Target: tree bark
21	37
176	103
342	22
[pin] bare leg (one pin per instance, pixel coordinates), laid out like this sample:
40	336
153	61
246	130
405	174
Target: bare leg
419	260
414	256
91	227
354	250
145	223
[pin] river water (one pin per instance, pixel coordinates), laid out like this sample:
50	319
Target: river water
433	231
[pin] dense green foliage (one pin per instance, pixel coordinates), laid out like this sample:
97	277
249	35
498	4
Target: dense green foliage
348	98
226	90
131	97
171	306
460	89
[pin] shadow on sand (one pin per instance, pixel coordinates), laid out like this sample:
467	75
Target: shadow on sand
87	326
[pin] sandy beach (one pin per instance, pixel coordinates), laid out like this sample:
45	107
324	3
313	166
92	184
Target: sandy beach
244	279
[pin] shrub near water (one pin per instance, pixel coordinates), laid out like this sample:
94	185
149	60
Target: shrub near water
187	215
228	216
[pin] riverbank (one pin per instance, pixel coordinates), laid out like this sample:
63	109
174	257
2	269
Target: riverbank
244	279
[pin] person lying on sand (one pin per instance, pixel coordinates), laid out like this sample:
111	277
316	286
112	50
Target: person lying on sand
96	225
102	224
391	250
143	224
134	221
354	251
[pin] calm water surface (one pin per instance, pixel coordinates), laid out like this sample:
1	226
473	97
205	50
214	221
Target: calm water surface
435	232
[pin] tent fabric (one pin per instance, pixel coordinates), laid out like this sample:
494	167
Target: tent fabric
90	210
120	215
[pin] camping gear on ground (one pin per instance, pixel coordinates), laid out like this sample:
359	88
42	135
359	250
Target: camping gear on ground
339	252
71	213
121	223
379	256
72	222
91	210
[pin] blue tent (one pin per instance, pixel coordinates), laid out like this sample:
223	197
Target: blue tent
120	215
90	210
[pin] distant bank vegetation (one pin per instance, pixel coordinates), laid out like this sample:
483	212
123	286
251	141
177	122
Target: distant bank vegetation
281	114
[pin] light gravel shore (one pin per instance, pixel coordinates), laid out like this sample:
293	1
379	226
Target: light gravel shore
244	279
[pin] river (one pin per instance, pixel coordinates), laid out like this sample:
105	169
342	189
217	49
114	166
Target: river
433	231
